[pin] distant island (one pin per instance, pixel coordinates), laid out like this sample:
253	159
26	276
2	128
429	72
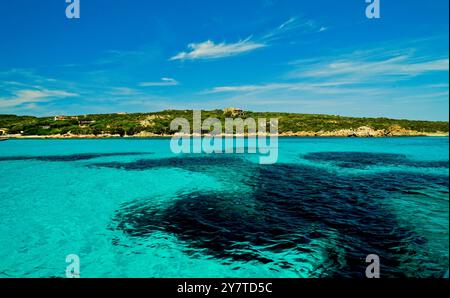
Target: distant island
157	124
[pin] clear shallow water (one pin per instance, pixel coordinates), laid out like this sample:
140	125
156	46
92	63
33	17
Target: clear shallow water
131	208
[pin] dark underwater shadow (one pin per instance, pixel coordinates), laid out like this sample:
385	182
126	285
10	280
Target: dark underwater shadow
362	160
288	207
69	158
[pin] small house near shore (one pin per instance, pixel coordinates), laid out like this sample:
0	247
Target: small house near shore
234	112
63	118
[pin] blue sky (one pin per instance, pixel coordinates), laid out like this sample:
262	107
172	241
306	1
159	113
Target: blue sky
317	56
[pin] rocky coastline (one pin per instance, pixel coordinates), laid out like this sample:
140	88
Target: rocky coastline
360	132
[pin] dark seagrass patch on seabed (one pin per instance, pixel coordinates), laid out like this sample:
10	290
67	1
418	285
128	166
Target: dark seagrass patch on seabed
71	157
187	162
289	206
362	160
221	166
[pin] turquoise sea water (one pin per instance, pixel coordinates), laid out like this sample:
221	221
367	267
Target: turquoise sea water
131	208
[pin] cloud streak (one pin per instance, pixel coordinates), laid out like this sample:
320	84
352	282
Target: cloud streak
165	82
397	66
29	96
374	76
291	25
292	86
211	50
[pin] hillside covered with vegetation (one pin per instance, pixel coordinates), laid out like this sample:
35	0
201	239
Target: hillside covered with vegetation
159	123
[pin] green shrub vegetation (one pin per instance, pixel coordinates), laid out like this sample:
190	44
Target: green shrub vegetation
159	123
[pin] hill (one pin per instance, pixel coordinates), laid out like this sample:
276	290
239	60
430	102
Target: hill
158	124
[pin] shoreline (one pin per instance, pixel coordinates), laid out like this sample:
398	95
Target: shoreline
283	135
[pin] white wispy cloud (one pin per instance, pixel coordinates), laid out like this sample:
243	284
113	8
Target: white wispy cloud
30	96
335	87
291	25
376	74
288	25
400	66
165	82
211	50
